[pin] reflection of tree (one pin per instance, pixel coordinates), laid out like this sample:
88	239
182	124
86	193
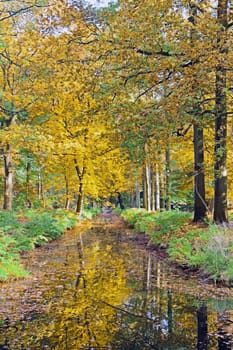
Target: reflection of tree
202	327
87	304
155	318
88	319
169	311
224	331
82	316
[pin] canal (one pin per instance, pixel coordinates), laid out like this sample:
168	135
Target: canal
99	288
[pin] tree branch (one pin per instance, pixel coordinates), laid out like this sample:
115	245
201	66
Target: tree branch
22	10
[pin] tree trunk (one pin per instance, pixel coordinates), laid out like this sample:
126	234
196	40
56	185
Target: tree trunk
80	171
80	200
220	180
120	201
8	180
200	207
67	199
28	168
153	192
144	191
157	188
137	189
40	186
167	179
148	187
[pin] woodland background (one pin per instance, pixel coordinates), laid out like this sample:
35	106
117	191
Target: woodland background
127	103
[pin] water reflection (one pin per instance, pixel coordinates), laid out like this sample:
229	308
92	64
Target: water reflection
102	292
225	331
202	327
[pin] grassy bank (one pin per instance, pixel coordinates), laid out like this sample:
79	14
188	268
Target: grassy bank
23	231
207	247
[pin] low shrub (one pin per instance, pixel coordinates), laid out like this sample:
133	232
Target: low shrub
26	230
133	215
9	258
168	223
209	248
90	213
158	225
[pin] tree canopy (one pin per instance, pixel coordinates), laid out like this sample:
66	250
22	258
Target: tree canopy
133	98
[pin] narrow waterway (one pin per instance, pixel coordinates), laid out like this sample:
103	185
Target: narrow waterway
98	288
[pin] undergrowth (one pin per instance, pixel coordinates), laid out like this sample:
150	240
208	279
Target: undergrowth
158	225
24	231
209	248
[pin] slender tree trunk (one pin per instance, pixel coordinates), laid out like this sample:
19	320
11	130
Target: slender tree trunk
162	181
80	171
147	180
148	186
169	312
167	179
200	207
40	190
149	273
153	192
144	190
80	199
137	189
220	180
67	199
8	169
28	168
157	187
8	180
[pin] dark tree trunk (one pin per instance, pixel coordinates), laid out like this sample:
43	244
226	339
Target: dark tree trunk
80	199
40	190
200	207
120	201
138	199
8	180
220	180
80	174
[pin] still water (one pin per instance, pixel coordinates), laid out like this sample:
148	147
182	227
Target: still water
97	288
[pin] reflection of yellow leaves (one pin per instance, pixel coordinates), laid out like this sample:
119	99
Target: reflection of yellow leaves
83	315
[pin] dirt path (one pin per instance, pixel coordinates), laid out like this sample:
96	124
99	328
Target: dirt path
108	217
